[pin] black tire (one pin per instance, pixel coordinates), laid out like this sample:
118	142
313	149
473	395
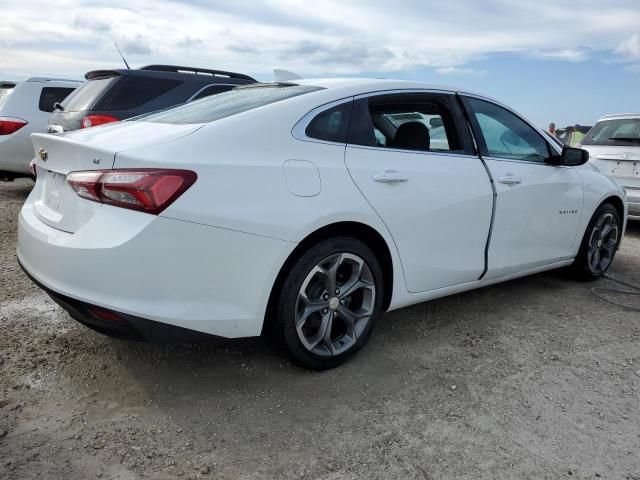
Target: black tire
582	268
288	306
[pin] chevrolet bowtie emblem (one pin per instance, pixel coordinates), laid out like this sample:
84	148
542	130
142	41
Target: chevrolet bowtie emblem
42	153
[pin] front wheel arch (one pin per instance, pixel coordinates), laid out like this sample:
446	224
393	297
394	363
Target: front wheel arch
359	231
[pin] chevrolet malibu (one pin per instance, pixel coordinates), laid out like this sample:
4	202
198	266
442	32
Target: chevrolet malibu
306	209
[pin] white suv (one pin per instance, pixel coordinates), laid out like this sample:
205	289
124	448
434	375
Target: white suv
614	148
24	109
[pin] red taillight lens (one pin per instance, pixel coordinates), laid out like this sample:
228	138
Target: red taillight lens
145	190
9	125
95	120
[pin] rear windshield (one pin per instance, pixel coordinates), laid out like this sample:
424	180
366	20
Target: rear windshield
5	90
133	91
619	132
226	104
86	95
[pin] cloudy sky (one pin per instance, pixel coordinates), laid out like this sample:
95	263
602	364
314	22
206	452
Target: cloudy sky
549	59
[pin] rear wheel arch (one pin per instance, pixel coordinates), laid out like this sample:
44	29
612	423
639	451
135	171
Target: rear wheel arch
359	231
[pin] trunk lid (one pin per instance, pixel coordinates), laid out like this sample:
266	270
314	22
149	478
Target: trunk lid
619	161
56	204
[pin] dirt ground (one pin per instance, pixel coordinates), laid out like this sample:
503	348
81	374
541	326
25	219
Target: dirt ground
535	378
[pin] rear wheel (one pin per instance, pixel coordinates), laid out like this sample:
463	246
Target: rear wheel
330	302
599	244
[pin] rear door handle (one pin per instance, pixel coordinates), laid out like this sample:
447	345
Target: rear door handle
510	180
390	176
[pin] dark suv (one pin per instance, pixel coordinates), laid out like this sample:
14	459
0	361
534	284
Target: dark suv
112	95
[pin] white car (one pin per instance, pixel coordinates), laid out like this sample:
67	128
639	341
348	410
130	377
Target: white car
614	148
24	109
307	209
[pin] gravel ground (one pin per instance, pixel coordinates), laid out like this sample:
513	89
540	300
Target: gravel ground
535	378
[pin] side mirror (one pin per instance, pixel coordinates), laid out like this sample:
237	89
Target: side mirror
571	157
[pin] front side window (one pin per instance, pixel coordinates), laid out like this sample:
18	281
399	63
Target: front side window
505	134
619	132
52	95
415	121
331	125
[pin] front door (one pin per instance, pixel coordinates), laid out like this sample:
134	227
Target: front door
408	156
538	206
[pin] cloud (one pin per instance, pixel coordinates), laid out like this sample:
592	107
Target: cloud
567	54
326	38
630	48
460	71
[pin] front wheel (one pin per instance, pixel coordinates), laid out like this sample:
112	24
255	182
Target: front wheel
330	302
599	244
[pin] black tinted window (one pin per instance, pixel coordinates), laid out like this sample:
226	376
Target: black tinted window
212	90
132	91
52	95
331	125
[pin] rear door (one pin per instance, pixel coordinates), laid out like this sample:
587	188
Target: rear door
538	206
433	194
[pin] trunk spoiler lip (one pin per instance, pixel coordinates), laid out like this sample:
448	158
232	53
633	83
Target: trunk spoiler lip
97	74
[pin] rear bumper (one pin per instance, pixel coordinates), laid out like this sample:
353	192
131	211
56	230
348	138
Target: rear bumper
153	269
116	324
633	201
16	152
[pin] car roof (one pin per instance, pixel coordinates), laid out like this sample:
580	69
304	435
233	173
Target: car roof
620	116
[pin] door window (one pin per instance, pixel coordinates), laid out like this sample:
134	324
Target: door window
422	122
505	135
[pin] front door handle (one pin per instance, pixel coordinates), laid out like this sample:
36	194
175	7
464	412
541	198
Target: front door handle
390	176
510	180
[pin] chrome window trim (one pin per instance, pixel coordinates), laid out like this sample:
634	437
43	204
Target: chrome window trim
210	85
299	129
510	110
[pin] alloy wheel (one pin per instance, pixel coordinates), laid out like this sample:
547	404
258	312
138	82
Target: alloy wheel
335	304
603	243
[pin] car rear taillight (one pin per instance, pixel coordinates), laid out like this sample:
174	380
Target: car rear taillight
145	190
95	120
9	125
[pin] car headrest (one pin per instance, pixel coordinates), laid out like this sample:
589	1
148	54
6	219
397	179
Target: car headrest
412	136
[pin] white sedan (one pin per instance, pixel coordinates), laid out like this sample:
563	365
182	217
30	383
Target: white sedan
306	208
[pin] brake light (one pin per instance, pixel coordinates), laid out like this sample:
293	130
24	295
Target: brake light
145	190
9	125
95	120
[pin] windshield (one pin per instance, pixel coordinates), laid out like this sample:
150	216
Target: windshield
226	104
619	132
84	97
5	90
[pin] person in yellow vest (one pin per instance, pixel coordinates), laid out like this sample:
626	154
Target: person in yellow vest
576	136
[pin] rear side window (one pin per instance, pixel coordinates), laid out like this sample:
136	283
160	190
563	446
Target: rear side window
212	90
85	96
331	125
619	132
238	100
132	91
52	95
417	121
